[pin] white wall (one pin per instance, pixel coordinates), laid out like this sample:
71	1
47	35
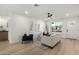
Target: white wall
19	25
73	29
38	28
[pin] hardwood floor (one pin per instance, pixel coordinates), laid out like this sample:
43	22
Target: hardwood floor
66	47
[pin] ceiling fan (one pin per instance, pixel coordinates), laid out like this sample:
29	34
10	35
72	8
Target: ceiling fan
49	15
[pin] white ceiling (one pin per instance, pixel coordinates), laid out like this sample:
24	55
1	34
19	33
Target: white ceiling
58	10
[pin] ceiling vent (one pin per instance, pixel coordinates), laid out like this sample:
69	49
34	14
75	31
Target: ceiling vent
36	5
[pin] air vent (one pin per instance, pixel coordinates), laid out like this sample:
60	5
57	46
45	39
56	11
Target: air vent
36	5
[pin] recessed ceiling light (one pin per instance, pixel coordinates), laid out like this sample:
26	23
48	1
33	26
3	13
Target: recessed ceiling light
74	22
67	14
26	12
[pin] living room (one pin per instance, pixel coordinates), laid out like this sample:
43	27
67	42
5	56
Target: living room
52	31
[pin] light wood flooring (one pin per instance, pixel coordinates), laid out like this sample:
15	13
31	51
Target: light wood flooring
66	47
